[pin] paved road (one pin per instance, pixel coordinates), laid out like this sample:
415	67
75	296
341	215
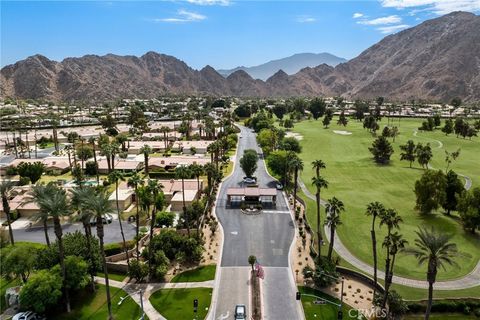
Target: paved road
268	236
112	232
470	280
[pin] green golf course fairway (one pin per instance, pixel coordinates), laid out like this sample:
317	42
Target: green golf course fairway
355	179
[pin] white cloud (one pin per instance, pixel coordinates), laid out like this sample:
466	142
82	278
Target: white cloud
305	19
380	21
210	2
357	15
437	6
391	29
183	16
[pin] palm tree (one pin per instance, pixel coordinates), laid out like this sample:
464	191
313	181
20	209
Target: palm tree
79	198
114	177
135	181
183	172
332	210
40	191
211	171
106	150
153	189
100	206
5	189
317	165
54	201
436	250
115	149
297	164
146	150
197	171
396	243
319	183
374	209
92	143
165	130
391	219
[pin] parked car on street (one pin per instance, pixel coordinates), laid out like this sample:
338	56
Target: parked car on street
107	219
240	312
249	180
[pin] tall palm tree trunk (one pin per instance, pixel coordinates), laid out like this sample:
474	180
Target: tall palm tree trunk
58	234
374	250
150	243
137	223
100	235
387	274
15	145
88	236
28	144
125	248
96	163
45	229
332	239
295	187
6	209
319	231
185	208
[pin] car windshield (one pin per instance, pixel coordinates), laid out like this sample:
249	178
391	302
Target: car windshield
240	311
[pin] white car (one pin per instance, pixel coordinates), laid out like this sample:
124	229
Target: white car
27	315
107	219
240	312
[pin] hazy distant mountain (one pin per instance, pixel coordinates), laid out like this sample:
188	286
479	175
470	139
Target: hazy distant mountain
436	60
289	65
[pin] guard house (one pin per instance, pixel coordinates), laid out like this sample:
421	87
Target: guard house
251	196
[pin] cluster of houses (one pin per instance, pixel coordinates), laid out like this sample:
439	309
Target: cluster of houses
183	153
126	197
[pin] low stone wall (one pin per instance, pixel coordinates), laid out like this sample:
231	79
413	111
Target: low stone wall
117	267
131	252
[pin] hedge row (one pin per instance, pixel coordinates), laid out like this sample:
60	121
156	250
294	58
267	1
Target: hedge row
116	248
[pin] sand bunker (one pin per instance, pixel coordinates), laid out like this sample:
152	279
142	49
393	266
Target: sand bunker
343	133
294	134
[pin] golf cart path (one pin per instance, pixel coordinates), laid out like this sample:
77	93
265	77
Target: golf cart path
148	288
470	280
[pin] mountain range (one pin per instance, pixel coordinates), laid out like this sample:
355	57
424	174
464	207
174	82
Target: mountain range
436	60
289	65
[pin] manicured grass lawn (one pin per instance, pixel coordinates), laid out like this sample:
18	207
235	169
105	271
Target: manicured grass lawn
356	180
420	294
177	304
407	293
113	275
323	311
203	273
86	305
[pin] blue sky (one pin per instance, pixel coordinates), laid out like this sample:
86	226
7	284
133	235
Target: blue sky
221	33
